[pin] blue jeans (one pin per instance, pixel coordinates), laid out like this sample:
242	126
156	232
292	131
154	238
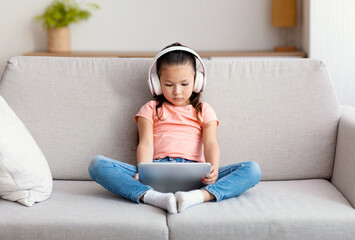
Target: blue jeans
118	178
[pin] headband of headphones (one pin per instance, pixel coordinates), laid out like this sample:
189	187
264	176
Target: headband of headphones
153	78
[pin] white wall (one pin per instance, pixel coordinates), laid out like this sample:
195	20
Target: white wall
18	31
306	23
146	25
332	39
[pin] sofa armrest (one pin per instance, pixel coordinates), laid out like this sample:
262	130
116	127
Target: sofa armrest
344	166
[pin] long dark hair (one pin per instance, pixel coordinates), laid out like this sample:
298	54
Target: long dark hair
176	58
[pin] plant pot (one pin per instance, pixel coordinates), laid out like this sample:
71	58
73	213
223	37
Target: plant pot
58	39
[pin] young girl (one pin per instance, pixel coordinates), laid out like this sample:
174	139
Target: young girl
176	127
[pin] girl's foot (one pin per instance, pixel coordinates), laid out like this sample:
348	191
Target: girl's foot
188	199
165	201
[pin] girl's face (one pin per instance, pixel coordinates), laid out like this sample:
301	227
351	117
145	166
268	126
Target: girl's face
177	83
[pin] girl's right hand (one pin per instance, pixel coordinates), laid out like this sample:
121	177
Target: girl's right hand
136	177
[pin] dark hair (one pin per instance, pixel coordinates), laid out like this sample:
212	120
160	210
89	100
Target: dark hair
176	58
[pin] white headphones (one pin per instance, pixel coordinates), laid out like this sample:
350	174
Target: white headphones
153	78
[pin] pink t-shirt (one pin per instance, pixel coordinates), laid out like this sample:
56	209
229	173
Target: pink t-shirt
178	134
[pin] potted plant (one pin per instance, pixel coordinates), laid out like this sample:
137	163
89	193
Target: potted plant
56	19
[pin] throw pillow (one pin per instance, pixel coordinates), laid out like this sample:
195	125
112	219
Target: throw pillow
25	176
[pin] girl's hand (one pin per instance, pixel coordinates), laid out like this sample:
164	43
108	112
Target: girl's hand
212	177
136	177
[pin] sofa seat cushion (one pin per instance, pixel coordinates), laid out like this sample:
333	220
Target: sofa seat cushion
303	209
82	210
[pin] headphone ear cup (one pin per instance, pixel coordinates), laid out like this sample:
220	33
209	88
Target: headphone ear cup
198	82
156	84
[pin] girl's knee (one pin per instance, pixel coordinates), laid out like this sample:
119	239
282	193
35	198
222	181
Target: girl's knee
255	170
94	165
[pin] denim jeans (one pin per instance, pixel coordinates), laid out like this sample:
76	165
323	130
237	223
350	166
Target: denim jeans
118	178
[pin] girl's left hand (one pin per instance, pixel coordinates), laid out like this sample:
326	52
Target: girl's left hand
212	177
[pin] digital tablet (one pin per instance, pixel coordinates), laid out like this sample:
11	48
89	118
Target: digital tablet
173	177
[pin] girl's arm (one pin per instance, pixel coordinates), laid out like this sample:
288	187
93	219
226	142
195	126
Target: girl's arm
145	146
212	152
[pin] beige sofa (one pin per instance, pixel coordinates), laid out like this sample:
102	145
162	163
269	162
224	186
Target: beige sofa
283	114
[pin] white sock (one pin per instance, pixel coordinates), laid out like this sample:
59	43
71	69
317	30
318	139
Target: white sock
165	201
188	199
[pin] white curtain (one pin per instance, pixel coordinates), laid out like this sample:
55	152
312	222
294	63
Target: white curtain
332	39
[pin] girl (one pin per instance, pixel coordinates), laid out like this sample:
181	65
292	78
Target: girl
176	127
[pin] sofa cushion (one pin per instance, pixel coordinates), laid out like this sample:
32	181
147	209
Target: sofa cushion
77	108
82	210
282	114
24	173
292	210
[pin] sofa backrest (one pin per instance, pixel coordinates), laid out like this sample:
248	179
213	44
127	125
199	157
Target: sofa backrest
282	114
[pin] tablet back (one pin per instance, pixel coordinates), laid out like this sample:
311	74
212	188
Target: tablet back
173	177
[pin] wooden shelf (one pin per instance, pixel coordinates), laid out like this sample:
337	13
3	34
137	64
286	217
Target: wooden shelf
152	54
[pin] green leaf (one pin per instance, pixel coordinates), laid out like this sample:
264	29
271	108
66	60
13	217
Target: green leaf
61	13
